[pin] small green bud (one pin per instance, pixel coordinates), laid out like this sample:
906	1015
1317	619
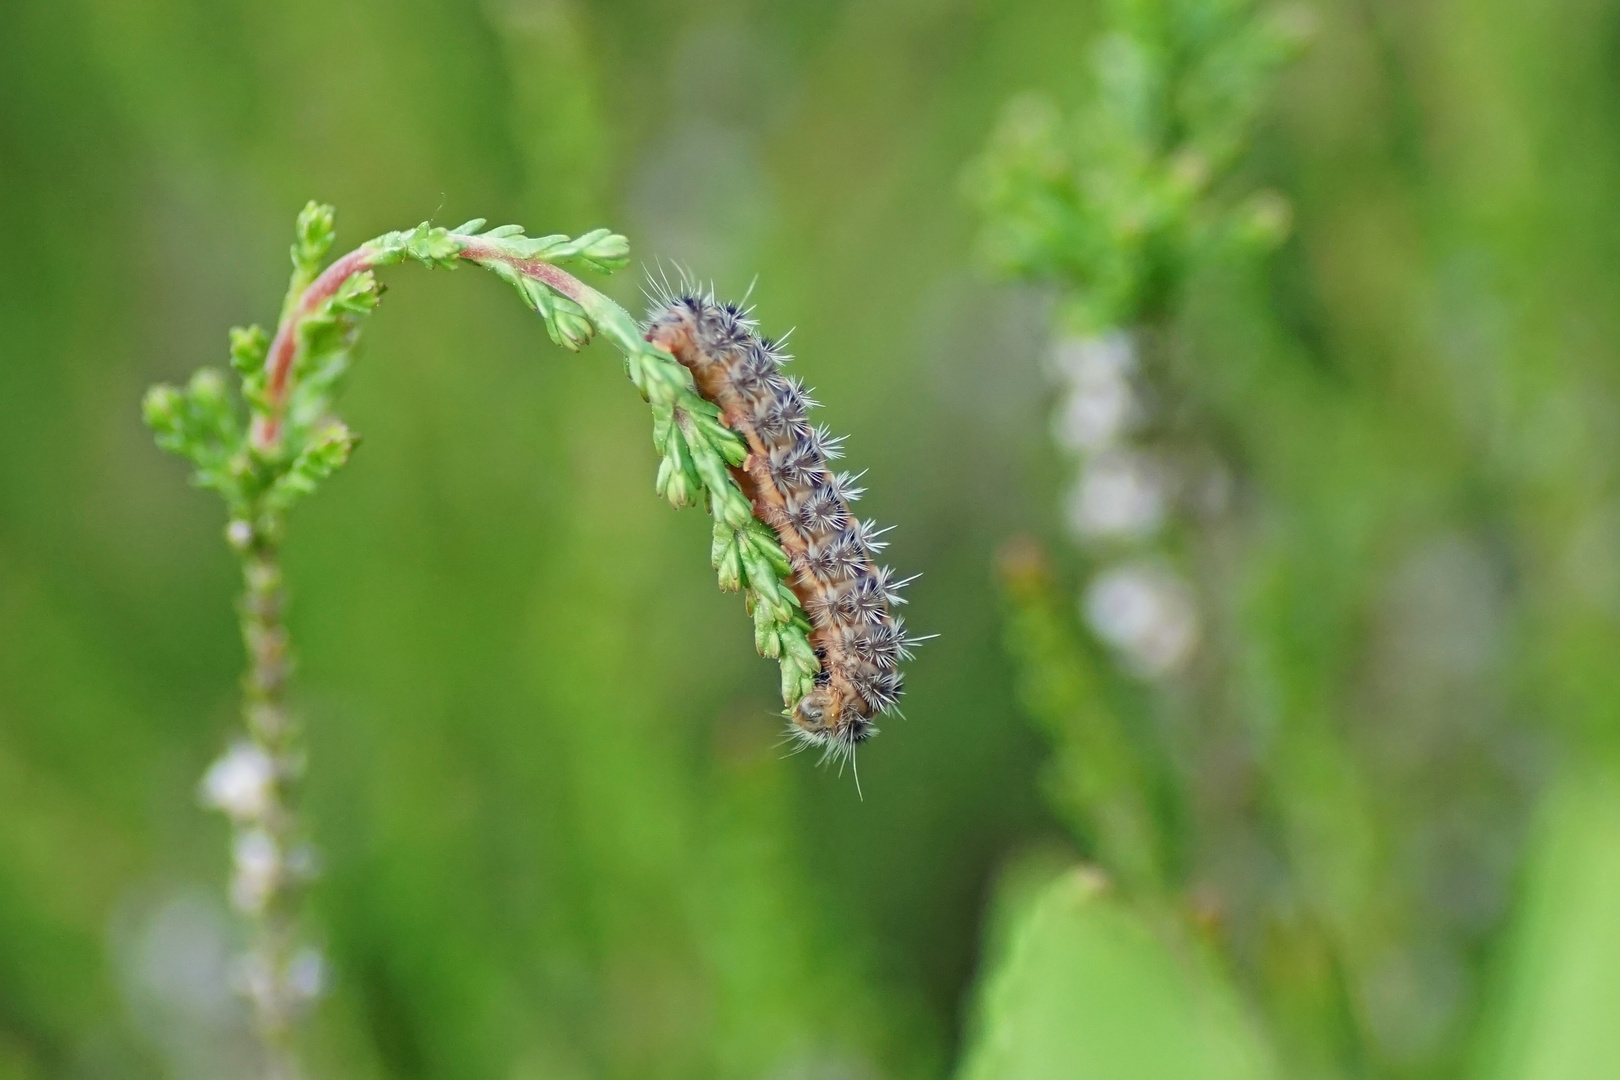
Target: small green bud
731	507
682	489
161	411
657	375
358	295
729	570
322	457
795	685
207	388
725	557
676	480
432	247
604	250
769	592
767	634
709	464
574	329
729	444
315	233
565	320
796	647
759	537
249	345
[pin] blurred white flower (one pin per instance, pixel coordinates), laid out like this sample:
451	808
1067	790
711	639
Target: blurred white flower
1145	612
1099	404
239	534
257	862
306	975
1120	495
172	954
285	992
1076	358
241	783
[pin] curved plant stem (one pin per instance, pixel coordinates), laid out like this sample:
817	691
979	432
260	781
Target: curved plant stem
284	347
271	855
291	440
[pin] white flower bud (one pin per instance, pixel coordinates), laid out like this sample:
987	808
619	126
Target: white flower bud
239	534
1146	613
241	783
258	870
306	975
1121	495
1100	404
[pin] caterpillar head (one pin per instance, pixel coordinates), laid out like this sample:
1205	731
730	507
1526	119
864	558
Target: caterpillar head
831	716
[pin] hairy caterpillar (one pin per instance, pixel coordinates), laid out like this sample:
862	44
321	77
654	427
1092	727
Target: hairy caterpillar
845	595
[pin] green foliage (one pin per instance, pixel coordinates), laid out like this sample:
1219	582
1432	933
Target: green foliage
1556	997
566	321
1087	989
1097	779
431	245
202	424
315	232
260	483
1122	199
694	447
210	426
290	441
1339	795
556	840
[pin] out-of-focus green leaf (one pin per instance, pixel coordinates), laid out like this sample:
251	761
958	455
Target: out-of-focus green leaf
1087	990
1557	1014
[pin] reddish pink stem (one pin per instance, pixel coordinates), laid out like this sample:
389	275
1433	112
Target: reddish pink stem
278	364
565	283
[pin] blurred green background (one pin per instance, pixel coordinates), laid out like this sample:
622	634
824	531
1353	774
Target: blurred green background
558	837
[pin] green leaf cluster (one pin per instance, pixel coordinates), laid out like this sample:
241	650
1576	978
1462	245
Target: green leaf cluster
434	246
1118	200
696	449
210	424
261	479
1088	988
600	250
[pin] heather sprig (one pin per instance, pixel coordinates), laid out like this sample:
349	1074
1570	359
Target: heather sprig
1117	205
1120	198
290	438
275	439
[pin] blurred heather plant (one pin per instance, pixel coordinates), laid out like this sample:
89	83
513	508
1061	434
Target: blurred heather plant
278	437
1278	760
1119	205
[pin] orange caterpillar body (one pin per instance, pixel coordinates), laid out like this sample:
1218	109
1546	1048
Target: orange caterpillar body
845	595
